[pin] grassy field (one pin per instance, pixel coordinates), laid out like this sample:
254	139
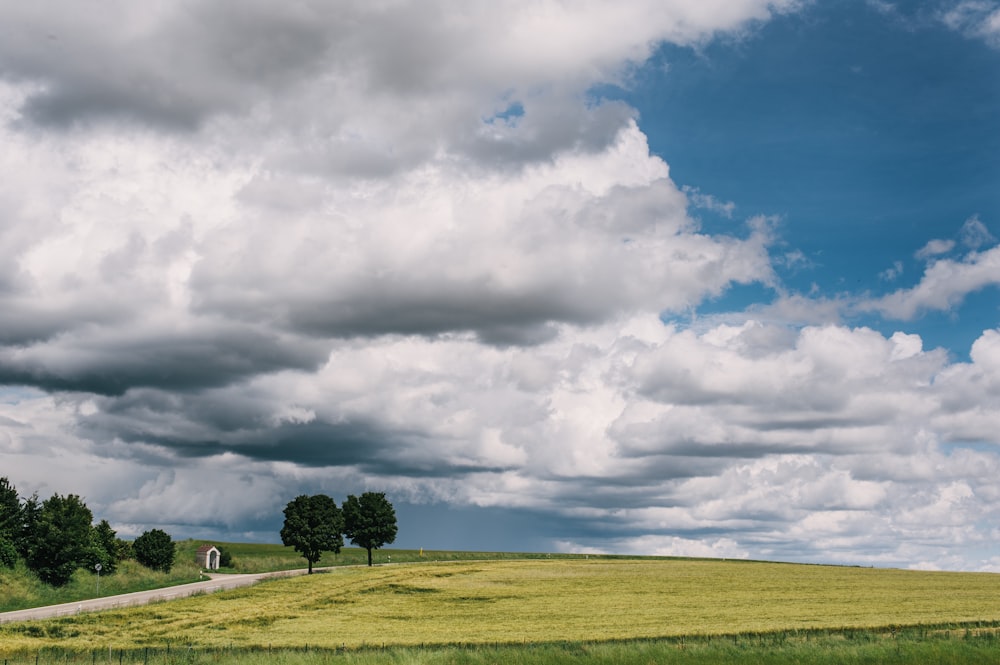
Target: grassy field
916	647
520	602
19	589
262	558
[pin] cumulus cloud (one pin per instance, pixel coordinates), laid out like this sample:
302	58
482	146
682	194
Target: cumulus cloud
558	243
821	444
944	285
396	82
946	281
259	250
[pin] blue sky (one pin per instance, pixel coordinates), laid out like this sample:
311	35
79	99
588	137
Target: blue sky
706	277
866	130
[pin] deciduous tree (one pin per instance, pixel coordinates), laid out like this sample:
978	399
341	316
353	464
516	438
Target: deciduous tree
313	525
104	548
60	539
369	521
155	550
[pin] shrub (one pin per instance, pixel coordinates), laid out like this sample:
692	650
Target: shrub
8	553
155	550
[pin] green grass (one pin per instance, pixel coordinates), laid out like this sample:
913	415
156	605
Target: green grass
20	589
262	558
508	602
980	647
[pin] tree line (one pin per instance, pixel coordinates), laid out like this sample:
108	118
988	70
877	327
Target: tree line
56	537
314	524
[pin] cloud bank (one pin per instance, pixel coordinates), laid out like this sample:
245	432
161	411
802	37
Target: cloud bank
256	250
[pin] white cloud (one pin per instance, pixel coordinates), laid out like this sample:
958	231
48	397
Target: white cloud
709	202
935	248
284	249
978	19
893	273
974	233
357	89
944	285
831	444
720	548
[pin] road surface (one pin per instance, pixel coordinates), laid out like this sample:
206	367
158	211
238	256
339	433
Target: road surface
216	582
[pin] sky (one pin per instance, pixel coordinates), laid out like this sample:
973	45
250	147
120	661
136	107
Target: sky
697	277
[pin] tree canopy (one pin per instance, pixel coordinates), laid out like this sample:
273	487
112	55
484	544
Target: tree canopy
104	548
10	511
369	521
10	523
155	550
60	539
313	525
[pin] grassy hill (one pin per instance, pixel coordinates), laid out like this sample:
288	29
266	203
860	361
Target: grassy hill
20	589
479	608
530	601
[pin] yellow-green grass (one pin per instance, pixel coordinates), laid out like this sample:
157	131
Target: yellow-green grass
21	589
262	557
529	601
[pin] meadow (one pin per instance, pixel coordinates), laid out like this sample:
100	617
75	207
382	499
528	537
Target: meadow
20	589
531	603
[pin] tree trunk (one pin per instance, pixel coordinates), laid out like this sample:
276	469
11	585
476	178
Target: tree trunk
369	557
310	566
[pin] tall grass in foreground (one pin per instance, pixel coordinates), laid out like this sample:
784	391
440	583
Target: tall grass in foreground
21	589
979	647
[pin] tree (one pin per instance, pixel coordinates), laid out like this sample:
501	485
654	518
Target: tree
8	554
60	539
313	525
155	550
10	511
369	521
225	558
10	523
104	548
123	550
31	512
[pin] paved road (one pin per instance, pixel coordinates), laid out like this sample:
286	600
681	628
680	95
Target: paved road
215	583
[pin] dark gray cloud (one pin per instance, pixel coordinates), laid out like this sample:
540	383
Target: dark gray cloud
172	68
110	362
252	250
211	423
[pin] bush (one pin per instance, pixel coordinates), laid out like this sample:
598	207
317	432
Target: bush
225	558
155	550
60	540
123	550
8	553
